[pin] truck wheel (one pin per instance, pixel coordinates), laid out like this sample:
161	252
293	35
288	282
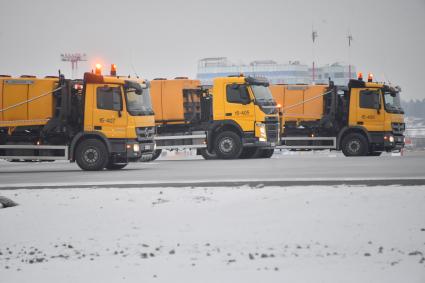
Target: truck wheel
207	155
228	145
355	145
266	153
249	152
115	166
91	155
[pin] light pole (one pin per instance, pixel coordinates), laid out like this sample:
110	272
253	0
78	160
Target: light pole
74	58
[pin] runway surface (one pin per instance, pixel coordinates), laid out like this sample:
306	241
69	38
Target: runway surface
280	170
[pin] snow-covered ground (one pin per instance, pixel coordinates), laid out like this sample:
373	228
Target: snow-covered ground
240	234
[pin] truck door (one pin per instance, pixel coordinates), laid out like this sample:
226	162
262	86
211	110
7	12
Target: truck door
110	115
370	113
239	106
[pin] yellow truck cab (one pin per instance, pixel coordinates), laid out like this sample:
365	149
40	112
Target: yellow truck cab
375	118
361	119
99	121
236	117
245	106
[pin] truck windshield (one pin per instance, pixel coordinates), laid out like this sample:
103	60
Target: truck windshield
264	99
139	104
392	102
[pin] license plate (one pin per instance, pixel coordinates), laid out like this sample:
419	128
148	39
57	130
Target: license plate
147	147
273	144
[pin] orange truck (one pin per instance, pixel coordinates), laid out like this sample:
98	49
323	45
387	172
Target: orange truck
98	121
236	117
361	119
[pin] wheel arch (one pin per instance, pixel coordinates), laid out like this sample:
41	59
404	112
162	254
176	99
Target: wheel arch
221	126
349	130
86	135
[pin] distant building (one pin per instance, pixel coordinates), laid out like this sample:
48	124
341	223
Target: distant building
292	72
339	73
415	133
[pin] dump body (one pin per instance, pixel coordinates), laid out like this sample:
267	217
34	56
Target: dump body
15	91
299	102
169	103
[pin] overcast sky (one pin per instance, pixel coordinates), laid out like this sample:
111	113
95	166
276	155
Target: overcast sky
166	38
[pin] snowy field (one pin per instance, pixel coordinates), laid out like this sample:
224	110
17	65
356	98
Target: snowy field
240	234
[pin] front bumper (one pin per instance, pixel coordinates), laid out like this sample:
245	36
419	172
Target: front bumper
255	142
387	141
135	150
395	143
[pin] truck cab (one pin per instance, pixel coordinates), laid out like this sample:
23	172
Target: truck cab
244	106
119	110
376	112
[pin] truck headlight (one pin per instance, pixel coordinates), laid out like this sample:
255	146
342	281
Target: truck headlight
391	139
262	128
136	147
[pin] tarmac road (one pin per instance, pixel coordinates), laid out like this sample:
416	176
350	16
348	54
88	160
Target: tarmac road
280	170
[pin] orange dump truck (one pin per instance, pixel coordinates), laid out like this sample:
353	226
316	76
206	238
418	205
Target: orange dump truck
98	122
363	118
235	118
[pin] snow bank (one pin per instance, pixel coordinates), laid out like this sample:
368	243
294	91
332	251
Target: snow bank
241	234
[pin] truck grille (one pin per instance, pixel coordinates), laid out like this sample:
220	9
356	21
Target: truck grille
145	134
398	128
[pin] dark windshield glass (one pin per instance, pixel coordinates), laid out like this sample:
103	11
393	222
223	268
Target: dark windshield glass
264	99
392	102
139	104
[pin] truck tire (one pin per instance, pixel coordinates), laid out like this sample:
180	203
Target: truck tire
228	145
355	145
91	155
207	155
115	166
249	152
266	153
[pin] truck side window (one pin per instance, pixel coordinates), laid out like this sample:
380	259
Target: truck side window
109	98
237	93
369	99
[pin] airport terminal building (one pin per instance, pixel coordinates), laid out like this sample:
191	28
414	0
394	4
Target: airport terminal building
292	72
